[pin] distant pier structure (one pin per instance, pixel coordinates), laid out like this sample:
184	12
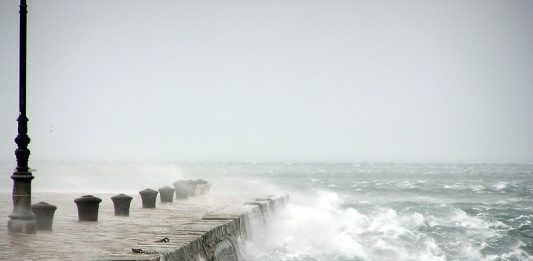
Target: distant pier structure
22	220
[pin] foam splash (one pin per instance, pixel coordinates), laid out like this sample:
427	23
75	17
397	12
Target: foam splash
325	230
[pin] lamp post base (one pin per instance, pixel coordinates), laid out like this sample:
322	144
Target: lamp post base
22	226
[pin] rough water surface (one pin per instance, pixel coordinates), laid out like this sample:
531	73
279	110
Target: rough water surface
354	211
397	212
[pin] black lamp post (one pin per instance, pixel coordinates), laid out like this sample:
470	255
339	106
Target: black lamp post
22	220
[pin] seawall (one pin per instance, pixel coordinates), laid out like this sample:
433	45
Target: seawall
214	237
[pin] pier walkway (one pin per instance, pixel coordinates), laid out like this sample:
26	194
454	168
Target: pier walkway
198	228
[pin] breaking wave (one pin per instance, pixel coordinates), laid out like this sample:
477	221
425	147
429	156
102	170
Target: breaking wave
327	228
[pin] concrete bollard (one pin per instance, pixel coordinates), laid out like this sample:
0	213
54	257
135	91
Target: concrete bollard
88	208
180	187
166	194
191	188
44	213
202	187
121	203
148	197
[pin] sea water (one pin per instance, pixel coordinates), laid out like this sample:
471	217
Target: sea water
399	212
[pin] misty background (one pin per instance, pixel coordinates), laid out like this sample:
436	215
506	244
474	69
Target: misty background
409	81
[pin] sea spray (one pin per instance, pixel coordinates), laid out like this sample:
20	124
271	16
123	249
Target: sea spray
328	230
389	211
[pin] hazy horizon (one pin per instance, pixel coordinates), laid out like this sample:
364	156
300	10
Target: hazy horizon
276	81
12	162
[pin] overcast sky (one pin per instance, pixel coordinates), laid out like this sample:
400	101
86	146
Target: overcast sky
257	80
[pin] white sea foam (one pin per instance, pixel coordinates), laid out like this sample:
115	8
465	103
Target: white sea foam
318	231
478	188
455	186
407	184
321	229
500	185
325	231
515	253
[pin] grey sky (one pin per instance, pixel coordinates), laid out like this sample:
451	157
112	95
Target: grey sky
405	81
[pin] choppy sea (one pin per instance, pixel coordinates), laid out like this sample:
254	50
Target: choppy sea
351	211
397	212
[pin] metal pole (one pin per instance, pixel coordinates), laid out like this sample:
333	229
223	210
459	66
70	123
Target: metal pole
22	220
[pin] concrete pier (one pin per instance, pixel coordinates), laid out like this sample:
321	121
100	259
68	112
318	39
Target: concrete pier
199	228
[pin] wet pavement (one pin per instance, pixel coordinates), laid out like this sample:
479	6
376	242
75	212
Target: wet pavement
180	221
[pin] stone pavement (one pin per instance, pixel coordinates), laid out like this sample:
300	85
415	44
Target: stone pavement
184	222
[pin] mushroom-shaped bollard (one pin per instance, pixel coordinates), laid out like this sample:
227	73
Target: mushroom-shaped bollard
88	208
121	203
44	213
166	194
201	187
148	197
181	189
191	188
